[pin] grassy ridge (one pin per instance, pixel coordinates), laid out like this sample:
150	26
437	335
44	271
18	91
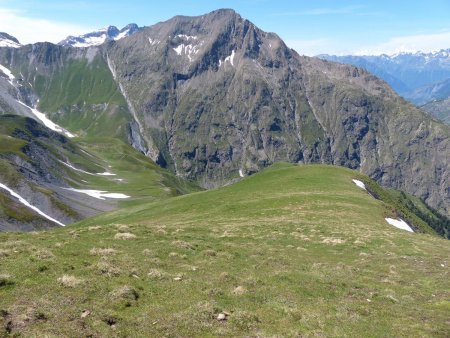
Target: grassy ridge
289	251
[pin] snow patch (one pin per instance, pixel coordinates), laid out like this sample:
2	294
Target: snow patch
106	174
47	122
9	43
8	73
360	184
154	42
401	224
241	173
99	194
188	50
187	37
230	58
91	41
122	35
32	207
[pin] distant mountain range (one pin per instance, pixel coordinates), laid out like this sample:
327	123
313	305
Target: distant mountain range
100	36
419	77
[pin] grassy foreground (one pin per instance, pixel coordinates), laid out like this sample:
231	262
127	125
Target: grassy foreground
291	251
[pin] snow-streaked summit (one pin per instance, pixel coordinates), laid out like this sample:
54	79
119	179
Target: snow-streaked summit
7	40
100	36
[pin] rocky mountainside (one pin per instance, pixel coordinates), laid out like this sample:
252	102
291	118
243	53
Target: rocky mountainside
214	98
100	36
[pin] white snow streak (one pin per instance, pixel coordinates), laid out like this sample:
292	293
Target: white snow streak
360	184
231	58
241	173
187	37
401	224
101	195
24	202
47	122
188	50
76	169
179	49
106	174
154	42
8	73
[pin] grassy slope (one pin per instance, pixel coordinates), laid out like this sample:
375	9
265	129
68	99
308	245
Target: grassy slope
291	250
141	178
83	97
136	175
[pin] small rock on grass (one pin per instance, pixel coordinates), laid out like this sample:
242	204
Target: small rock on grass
223	316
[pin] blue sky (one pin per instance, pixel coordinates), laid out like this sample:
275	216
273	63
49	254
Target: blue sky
311	27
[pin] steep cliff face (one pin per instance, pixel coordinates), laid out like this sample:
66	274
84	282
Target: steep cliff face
216	97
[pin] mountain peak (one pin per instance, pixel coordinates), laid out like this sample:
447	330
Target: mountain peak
100	36
7	40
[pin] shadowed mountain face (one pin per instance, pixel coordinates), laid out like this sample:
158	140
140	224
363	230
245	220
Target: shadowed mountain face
214	98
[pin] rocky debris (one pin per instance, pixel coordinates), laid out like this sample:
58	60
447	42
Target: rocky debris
222	316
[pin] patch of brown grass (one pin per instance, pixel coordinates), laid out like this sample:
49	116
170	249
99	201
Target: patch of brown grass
69	281
102	252
125	236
